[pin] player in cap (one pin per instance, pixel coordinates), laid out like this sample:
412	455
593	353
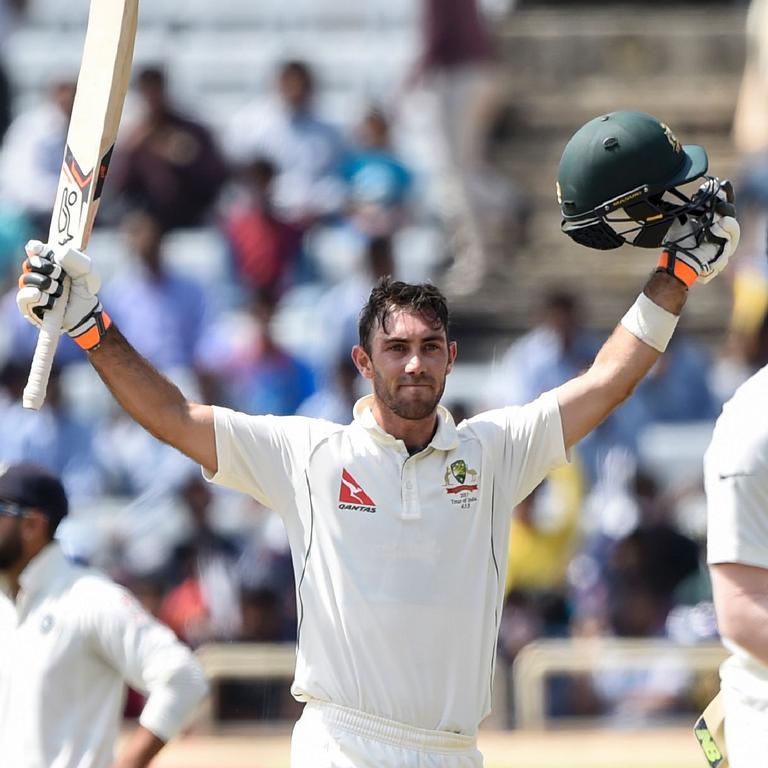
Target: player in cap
70	641
398	522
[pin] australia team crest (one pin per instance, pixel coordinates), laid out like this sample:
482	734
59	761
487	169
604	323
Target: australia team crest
461	483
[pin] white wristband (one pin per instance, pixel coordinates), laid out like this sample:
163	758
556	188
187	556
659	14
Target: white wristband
650	323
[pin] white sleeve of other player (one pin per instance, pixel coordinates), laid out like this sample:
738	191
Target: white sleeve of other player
147	655
737	507
528	440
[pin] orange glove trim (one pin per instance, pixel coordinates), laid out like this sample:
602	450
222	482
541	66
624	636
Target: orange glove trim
682	271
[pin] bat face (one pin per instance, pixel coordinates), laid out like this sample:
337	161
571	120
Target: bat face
101	88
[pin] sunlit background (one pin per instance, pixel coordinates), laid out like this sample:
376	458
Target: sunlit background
275	158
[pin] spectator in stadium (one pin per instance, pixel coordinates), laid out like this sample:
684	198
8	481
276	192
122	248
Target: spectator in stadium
459	64
642	575
305	148
75	639
203	601
142	291
32	149
338	310
249	368
265	247
54	436
677	389
335	399
378	182
9	12
556	349
168	164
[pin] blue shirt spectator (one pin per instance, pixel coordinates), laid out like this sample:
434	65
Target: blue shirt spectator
248	369
161	313
53	436
378	182
306	149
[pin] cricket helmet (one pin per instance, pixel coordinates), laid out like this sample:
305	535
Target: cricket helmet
618	178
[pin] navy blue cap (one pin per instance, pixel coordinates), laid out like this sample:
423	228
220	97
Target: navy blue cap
30	485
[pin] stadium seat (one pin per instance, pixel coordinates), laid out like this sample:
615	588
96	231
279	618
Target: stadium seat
205	14
200	253
198	69
36	57
336	252
673	451
54	13
419	251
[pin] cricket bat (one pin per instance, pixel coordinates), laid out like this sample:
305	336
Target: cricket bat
101	87
710	733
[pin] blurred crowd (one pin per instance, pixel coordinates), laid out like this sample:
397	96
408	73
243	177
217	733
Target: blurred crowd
611	545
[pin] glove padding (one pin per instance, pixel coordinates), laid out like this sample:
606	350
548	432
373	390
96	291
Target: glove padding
40	285
705	244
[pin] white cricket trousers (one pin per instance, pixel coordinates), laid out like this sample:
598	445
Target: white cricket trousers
746	729
330	736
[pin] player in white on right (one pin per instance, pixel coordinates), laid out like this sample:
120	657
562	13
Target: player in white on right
398	522
736	478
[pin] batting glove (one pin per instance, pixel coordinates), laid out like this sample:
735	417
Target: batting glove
40	286
699	247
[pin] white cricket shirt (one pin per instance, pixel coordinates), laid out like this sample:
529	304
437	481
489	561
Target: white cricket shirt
67	645
399	560
736	481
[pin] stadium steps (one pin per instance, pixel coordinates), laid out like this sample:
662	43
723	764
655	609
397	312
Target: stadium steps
564	66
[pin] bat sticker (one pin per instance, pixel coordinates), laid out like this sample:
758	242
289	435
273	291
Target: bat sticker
103	168
66	224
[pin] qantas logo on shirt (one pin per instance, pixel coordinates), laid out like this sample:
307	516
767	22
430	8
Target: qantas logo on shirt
352	496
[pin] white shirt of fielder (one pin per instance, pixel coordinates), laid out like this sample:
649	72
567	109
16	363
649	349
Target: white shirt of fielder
736	480
69	643
399	560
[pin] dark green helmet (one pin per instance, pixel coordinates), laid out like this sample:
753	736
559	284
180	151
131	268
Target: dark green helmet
616	169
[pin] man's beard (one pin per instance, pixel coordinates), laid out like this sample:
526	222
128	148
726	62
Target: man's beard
412	410
10	550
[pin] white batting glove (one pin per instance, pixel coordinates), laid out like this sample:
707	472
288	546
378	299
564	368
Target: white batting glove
694	252
40	286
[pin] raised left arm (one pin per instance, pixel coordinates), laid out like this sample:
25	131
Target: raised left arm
586	400
644	332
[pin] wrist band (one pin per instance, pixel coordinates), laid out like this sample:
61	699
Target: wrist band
90	339
670	264
650	323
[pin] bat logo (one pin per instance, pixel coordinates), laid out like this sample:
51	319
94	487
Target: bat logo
70	196
64	220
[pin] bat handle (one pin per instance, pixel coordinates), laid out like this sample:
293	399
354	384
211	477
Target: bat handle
47	341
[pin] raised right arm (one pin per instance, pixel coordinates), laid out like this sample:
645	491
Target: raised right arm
145	394
153	401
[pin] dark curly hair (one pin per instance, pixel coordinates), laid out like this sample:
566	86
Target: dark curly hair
389	295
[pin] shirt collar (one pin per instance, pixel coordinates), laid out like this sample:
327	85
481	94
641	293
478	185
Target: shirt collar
446	437
41	569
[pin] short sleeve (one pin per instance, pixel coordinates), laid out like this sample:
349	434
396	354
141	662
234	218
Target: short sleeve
529	442
145	653
260	455
737	512
736	481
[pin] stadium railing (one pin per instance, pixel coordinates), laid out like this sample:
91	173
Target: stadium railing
539	660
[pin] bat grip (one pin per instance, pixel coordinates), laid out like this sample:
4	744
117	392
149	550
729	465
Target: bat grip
47	341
